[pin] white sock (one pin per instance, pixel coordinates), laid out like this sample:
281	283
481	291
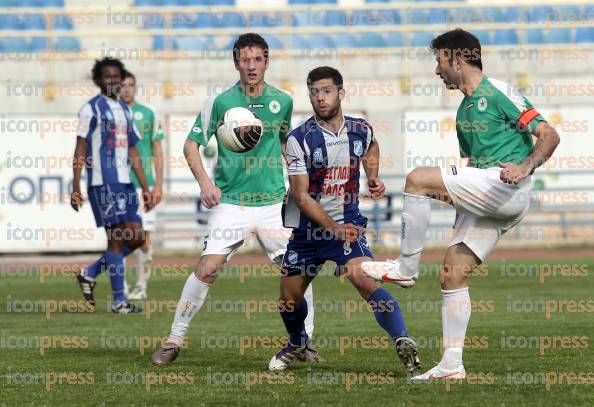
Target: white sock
416	214
190	302
455	313
144	265
309	320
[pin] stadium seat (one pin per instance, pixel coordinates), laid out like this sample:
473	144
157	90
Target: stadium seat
584	35
161	43
371	40
11	22
439	16
569	13
205	20
16	44
505	37
274	42
421	39
483	36
589	12
415	16
516	15
39	44
180	21
534	36
297	42
233	20
153	21
34	22
320	41
559	36
394	39
61	22
67	44
345	40
308	18
147	3
465	15
541	14
335	18
189	43
494	15
293	2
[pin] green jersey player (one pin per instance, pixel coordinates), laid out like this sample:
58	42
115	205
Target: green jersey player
495	124
151	154
248	188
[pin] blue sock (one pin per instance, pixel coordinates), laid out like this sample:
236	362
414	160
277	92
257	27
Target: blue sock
295	323
387	313
96	268
115	267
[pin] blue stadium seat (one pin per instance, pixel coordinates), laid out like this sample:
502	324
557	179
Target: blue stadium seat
371	40
161	43
147	3
541	14
584	35
439	16
421	39
483	36
534	36
8	3
494	15
569	13
375	17
559	36
13	44
589	12
298	42
67	44
335	18
320	41
206	20
505	37
61	22
34	22
394	39
11	22
292	2
308	18
180	21
345	40
153	21
233	20
415	16
39	44
274	42
259	20
465	15
517	15
189	43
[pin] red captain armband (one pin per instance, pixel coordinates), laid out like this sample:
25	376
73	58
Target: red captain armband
526	117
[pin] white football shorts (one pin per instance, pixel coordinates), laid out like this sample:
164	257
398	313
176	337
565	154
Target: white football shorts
486	207
228	226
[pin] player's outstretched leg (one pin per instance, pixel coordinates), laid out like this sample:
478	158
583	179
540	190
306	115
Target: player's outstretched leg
387	313
293	310
455	312
421	185
192	297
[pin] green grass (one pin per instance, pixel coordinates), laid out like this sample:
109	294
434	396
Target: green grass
107	350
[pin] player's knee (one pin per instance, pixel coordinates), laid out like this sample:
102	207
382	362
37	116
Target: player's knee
414	182
208	271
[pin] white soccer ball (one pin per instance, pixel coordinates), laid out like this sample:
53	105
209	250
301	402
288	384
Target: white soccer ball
240	129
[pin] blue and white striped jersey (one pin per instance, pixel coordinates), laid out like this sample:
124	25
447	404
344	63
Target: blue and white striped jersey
332	162
109	129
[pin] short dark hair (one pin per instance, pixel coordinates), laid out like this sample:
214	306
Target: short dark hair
459	43
324	72
127	74
249	40
100	64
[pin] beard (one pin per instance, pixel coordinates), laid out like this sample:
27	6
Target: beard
331	113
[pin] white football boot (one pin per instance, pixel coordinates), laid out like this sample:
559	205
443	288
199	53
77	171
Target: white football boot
388	271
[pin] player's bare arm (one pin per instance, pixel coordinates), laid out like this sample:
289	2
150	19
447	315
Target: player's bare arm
209	193
158	161
547	140
136	163
371	167
310	207
78	163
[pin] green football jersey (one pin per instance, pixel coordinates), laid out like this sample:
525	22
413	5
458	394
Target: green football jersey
149	130
495	123
255	177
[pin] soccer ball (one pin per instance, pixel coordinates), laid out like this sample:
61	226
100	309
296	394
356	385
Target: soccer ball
240	129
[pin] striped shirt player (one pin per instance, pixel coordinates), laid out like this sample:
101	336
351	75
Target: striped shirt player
109	130
332	163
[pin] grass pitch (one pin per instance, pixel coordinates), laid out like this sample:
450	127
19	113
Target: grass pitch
529	342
